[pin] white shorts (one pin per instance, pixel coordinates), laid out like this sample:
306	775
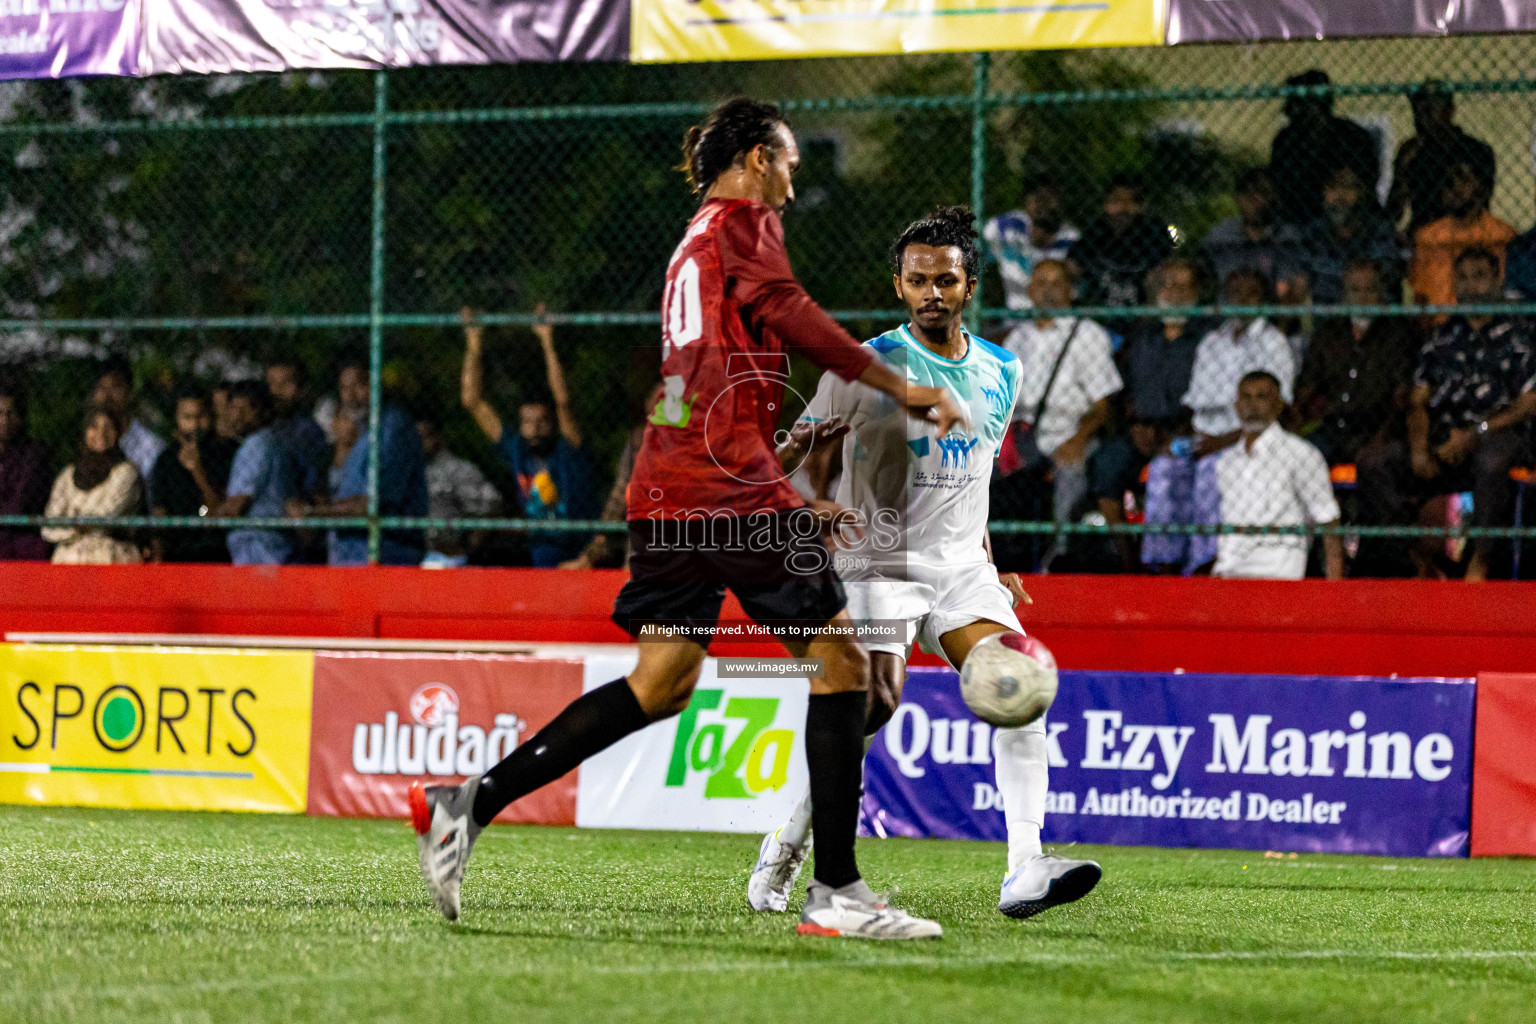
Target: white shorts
932	602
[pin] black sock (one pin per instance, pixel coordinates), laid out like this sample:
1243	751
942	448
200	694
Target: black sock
590	723
834	752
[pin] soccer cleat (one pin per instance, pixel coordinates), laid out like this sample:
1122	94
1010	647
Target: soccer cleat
778	865
445	833
853	912
1043	882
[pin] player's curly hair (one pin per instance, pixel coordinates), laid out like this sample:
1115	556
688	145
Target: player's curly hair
945	226
733	128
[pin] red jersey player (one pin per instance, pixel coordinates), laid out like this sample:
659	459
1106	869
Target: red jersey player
710	508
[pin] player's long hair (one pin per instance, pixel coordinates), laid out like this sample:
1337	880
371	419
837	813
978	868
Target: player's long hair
733	128
945	226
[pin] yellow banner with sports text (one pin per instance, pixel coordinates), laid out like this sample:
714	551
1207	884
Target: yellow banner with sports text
163	728
700	30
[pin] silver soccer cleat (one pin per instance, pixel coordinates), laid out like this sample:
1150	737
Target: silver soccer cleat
854	912
1043	882
445	833
778	865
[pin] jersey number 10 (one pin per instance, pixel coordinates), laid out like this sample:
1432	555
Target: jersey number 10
683	316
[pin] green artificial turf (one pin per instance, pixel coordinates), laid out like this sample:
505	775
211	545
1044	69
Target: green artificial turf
113	916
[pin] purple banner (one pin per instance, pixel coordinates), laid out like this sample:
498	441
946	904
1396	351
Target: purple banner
1199	21
1314	763
220	36
58	38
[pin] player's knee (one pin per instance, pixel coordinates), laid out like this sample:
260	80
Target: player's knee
884	696
847	668
662	697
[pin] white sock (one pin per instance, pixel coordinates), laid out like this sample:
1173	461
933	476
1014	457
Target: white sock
796	831
1022	781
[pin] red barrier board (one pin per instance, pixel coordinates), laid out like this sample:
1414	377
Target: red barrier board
383	721
1503	771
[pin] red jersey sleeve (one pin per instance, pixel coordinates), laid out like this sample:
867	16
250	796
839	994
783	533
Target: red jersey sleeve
756	268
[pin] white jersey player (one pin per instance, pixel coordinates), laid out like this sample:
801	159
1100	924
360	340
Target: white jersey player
913	545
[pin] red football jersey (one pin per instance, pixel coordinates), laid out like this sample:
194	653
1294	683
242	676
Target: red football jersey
731	309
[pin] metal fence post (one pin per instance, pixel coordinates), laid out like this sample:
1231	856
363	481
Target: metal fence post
982	64
376	310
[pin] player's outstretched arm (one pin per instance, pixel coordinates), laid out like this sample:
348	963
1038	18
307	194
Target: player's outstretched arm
471	393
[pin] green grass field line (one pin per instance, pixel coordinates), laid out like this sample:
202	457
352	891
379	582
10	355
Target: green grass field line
127	916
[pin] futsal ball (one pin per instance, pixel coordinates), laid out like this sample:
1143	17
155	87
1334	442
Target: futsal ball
1008	679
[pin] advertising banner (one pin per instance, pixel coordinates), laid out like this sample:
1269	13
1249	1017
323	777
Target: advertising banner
734	761
219	36
1344	765
699	30
163	728
1198	21
60	38
383	721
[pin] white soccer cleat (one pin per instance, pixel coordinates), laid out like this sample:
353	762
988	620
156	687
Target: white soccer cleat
1043	882
853	912
445	833
778	865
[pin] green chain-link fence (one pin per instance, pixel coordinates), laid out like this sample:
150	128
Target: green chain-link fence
204	228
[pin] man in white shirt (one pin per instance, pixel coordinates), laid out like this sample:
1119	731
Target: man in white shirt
1076	406
1020	239
1272	478
1181	484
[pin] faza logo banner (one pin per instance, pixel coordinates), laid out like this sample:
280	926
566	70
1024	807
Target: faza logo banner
383	721
1348	765
733	761
154	727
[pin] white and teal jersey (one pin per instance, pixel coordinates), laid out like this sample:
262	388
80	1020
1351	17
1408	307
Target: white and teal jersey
919	497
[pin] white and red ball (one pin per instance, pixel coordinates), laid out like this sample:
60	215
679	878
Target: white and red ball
1009	679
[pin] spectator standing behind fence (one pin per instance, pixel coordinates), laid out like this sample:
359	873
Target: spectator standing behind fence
1117	250
1352	227
1067	375
223	423
102	481
261	479
24	483
606	546
402	479
1158	360
456	489
1253	238
114	393
1354	384
554	474
1474	391
1271	477
296	430
1467	224
1315	143
1181	483
189	480
1422	163
1020	239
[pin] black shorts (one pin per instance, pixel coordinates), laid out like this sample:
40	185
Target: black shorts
680	571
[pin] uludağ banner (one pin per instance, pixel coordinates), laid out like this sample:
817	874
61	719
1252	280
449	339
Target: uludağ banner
1312	763
385	720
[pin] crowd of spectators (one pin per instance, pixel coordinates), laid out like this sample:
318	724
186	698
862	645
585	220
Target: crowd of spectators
1285	420
1180	422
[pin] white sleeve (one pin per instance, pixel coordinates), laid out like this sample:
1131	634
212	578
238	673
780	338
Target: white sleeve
1313	487
828	400
1194	397
1096	364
